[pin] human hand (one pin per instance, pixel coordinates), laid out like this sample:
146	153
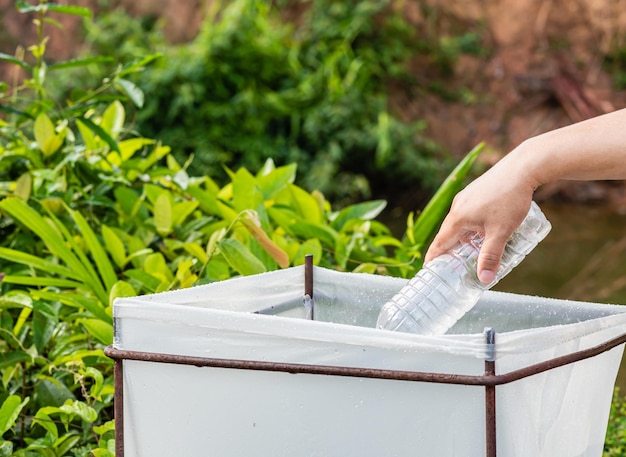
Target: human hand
494	205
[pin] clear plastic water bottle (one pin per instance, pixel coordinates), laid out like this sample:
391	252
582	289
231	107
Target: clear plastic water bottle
448	286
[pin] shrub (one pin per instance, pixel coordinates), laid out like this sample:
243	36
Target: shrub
615	444
253	86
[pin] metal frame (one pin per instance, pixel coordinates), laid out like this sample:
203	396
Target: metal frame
489	380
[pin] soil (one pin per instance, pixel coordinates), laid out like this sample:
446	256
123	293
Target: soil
543	69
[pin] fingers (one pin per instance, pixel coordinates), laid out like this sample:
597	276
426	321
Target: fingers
489	257
490	252
445	240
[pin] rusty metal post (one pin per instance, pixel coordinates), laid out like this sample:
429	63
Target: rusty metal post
308	284
118	406
490	395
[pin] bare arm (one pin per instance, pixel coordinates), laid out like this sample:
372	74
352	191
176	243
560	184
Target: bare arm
496	203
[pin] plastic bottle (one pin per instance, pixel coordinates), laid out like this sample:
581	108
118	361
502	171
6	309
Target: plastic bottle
448	286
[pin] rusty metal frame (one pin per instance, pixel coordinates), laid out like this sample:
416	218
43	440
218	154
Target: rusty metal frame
489	380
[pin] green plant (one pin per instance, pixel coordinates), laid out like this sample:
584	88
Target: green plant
615	442
615	63
251	87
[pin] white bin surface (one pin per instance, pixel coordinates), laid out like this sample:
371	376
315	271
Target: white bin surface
176	410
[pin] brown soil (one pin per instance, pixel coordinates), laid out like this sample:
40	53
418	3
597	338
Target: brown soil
544	69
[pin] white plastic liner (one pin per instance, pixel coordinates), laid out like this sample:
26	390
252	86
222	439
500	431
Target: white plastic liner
191	411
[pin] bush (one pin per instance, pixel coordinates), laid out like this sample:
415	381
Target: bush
615	443
254	86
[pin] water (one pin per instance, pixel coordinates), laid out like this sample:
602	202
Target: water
583	259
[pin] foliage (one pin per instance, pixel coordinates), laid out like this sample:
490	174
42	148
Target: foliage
615	442
615	63
254	86
92	211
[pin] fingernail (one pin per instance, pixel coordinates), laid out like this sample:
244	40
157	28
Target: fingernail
486	276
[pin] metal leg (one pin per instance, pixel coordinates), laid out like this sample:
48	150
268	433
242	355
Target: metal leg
308	286
118	406
490	396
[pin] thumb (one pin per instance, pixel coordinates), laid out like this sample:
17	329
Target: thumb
489	257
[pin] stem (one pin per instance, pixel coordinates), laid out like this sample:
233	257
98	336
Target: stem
39	56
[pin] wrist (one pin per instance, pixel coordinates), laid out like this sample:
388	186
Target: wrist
524	167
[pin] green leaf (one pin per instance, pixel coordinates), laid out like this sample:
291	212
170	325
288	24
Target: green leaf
246	193
107	273
197	251
45	421
364	211
113	120
90	140
157	266
44	129
75	300
6	449
129	147
40	281
114	246
65	443
306	205
14	60
15	299
9	359
23	213
325	234
38	263
79	356
163	214
208	201
80	63
431	217
48	140
23	186
127	199
24	7
312	247
85	412
121	289
182	210
70	9
104	428
139	65
45	320
276	180
52	392
148	281
98	378
99	329
131	90
100	132
9	412
101	453
240	258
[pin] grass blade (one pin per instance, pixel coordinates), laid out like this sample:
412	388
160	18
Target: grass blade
103	263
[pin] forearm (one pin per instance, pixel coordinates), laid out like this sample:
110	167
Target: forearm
590	150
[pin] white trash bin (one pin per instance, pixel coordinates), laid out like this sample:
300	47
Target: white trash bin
238	368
